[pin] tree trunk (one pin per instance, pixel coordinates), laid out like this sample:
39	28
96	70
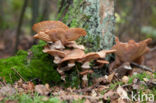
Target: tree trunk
1	10
45	11
96	16
18	32
35	11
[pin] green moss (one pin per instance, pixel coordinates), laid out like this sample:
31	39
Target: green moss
140	76
35	65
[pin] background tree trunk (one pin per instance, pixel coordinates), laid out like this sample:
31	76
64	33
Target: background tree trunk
46	10
35	11
18	32
96	16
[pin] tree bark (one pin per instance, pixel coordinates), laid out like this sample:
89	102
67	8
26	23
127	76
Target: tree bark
96	16
1	10
46	10
35	11
18	32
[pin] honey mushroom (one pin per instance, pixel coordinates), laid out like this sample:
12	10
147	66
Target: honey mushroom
58	36
47	25
73	56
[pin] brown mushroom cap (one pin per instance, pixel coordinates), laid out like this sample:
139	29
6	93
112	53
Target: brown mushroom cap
42	36
44	25
73	55
74	33
103	53
85	72
57	34
54	52
131	50
102	61
89	57
96	55
65	35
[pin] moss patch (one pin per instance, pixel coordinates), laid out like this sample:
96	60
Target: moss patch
30	65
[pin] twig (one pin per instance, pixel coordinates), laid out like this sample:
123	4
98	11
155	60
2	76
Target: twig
18	74
70	97
142	67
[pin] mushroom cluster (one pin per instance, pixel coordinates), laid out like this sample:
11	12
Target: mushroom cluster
66	52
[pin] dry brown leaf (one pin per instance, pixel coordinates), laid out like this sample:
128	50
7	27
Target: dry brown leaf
122	93
42	89
7	91
110	77
111	95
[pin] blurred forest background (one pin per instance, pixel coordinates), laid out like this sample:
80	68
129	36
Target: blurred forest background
135	19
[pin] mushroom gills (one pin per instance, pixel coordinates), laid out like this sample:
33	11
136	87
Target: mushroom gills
85	65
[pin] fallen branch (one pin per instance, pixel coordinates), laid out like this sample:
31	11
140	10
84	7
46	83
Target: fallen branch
141	67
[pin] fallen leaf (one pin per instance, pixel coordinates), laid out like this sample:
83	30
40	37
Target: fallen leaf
42	89
122	93
125	79
7	91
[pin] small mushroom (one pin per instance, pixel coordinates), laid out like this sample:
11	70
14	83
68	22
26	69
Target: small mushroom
100	63
47	25
73	56
84	74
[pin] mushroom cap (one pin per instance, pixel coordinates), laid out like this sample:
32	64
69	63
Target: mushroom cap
54	52
88	71
130	51
65	35
103	53
43	36
102	61
96	55
89	57
57	34
44	25
74	33
75	54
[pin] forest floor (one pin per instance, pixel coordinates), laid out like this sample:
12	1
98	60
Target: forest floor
109	89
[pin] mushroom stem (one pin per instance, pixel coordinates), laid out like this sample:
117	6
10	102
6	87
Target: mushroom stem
58	45
84	81
57	59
